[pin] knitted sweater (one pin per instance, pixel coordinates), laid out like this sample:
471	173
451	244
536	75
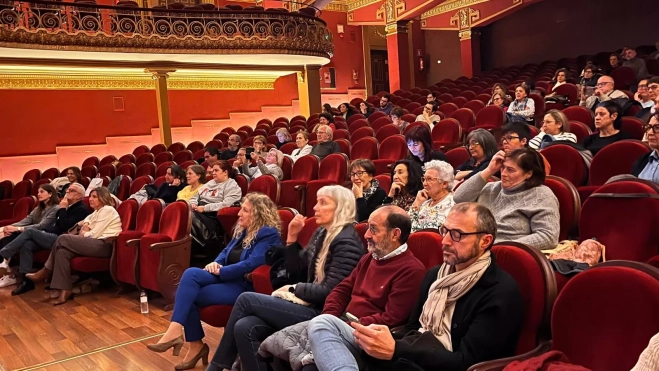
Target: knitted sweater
43	221
528	216
214	196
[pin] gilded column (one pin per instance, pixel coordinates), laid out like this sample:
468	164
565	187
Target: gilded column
162	99
308	87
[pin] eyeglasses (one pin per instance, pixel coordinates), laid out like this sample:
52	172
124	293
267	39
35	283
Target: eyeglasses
655	128
497	99
642	86
428	179
357	174
653	87
472	144
588	71
508	138
455	234
601	84
69	190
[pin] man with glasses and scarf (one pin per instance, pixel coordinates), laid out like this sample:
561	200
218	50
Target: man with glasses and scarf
604	90
469	309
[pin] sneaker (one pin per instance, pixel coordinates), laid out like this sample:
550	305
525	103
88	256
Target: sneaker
7	281
4	264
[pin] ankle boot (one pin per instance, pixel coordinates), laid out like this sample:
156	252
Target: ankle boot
40	276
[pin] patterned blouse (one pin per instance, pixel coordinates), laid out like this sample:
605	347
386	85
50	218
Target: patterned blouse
403	201
428	216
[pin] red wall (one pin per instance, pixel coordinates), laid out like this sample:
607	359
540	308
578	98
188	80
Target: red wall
348	55
444	46
36	121
553	29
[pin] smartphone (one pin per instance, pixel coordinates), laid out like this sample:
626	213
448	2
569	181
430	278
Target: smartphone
351	317
248	152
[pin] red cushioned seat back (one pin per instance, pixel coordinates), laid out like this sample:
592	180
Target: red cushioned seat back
615	159
566	162
361	133
393	148
334	168
175	220
127	170
127	211
459	101
6	189
163	157
569	203
161	170
581	114
385	181
361	228
243	183
288	148
427	247
286	214
475	105
604	317
90	161
107	160
107	170
51	173
266	184
183	156
457	156
307	231
380	123
344	144
365	148
634	206
569	90
490	116
306	168
447	108
357	124
37	184
623	77
354	118
195	146
148	216
341	134
22	189
148	168
446	132
33	175
157	149
140	150
376	115
143	159
386	132
139	182
633	127
535	279
228	216
580	130
23	207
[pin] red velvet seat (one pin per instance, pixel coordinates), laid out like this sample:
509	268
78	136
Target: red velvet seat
357	124
164	256
140	182
457	156
292	193
623	76
223	136
386	132
157	149
243	183
33	175
211	143
568	90
146	169
51	173
144	158
446	133
332	170
37	184
6	188
339	134
361	133
344	144
126	170
459	101
288	148
376	115
266	184
391	149
568	201
380	123
124	188
183	156
490	117
194	146
107	160
475	105
447	108
140	149
580	130
107	170
566	162
128	158
354	118
465	117
21	208
163	157
365	148
581	114
632	126
90	161
426	245
161	170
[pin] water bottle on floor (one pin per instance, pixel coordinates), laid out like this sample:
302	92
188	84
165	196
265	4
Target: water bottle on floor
144	303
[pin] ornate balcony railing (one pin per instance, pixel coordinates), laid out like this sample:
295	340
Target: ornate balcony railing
86	26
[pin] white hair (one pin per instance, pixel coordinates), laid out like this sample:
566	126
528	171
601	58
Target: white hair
328	130
444	169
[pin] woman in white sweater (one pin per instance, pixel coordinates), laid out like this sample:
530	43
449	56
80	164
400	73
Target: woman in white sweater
526	211
91	237
303	147
554	128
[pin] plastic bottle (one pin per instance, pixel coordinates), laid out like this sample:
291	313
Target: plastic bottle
144	303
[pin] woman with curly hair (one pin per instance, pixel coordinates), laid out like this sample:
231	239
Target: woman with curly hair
221	281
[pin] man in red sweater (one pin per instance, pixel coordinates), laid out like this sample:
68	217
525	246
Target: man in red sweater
381	290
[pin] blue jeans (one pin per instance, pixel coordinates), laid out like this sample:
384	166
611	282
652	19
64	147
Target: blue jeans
199	288
255	317
333	344
27	242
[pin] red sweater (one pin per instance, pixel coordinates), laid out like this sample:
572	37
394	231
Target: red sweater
379	291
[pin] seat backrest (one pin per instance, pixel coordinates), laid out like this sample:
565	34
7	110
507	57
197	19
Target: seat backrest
447	131
537	284
380	123
386	132
266	184
581	114
615	159
566	162
140	182
365	148
176	220
569	203
361	133
286	214
140	150
243	183
127	211
475	105
182	156
22	189
457	156
195	146
127	170
51	173
124	188
306	168
148	216
107	160
37	184
361	228
162	168
447	108
334	168
393	148
580	130
357	124
163	157
108	170
490	116
307	231
6	189
33	175
605	316
426	245
376	115
157	149
633	127
569	90
24	206
144	158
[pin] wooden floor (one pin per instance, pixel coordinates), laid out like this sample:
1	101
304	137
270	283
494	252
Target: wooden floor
95	331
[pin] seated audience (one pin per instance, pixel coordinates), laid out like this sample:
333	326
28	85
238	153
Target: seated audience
168	191
241	159
271	166
330	256
499	100
346	110
196	177
223	280
325	146
469	310
61	184
396	119
643	95
283	137
522	108
554	128
614	62
303	147
526	211
405	184
220	192
637	64
324	119
419	145
428	116
432	98
260	146
604	91
365	109
516	135
560	78
327	108
389	303
367	190
90	240
655	54
503	90
385	105
211	155
590	77
434	201
647	166
233	144
608	121
481	146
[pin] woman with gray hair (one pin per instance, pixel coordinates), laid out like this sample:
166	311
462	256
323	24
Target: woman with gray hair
482	147
283	137
433	203
272	165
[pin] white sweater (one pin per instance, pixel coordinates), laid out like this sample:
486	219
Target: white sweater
564	136
103	223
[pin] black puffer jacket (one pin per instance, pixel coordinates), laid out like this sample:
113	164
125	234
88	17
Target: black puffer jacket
345	251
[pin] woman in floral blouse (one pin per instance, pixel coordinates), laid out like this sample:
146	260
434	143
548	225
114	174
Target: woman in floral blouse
433	203
405	184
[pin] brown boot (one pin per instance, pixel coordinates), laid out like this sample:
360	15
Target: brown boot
64	296
40	276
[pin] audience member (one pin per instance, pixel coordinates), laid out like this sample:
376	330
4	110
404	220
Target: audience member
283	137
434	201
61	184
554	128
608	121
643	94
526	211
522	108
385	104
647	166
346	110
223	280
469	309
419	145
168	190
405	184
614	62
272	165
196	177
590	76
71	211
211	155
499	100
428	116
503	90
327	108
330	256
560	78
233	145
325	119
637	64
365	109
303	147
481	146
260	146
325	146
241	159
432	98
90	240
517	135
396	119
603	92
367	190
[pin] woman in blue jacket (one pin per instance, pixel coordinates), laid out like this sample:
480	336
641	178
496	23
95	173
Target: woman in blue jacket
222	281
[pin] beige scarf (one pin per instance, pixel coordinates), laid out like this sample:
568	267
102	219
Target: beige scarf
450	286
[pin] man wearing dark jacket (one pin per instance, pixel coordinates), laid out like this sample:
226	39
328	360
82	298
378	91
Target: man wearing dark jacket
71	211
647	166
326	146
469	310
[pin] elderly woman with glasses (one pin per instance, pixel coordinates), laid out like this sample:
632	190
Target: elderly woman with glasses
272	165
555	128
481	146
526	211
367	190
435	200
647	166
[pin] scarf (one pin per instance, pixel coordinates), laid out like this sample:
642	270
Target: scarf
367	193
444	293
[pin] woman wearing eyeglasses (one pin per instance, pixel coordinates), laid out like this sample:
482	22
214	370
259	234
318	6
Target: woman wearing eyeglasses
367	190
526	211
554	128
499	100
435	200
481	146
647	166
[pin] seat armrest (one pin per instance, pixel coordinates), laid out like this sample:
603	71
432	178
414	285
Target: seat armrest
133	243
300	187
173	244
500	364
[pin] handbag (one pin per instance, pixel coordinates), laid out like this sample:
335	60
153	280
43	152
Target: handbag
589	252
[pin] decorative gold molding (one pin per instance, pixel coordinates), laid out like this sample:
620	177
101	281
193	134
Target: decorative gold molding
356	4
389	12
464	35
449	6
337	6
464	18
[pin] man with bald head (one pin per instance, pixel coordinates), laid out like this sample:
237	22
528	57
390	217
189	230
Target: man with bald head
604	90
71	211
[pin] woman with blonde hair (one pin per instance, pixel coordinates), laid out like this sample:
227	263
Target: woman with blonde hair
272	165
283	137
555	127
221	281
196	177
330	256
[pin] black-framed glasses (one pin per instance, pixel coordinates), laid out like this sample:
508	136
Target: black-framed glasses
655	128
357	174
601	84
455	234
653	87
508	138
